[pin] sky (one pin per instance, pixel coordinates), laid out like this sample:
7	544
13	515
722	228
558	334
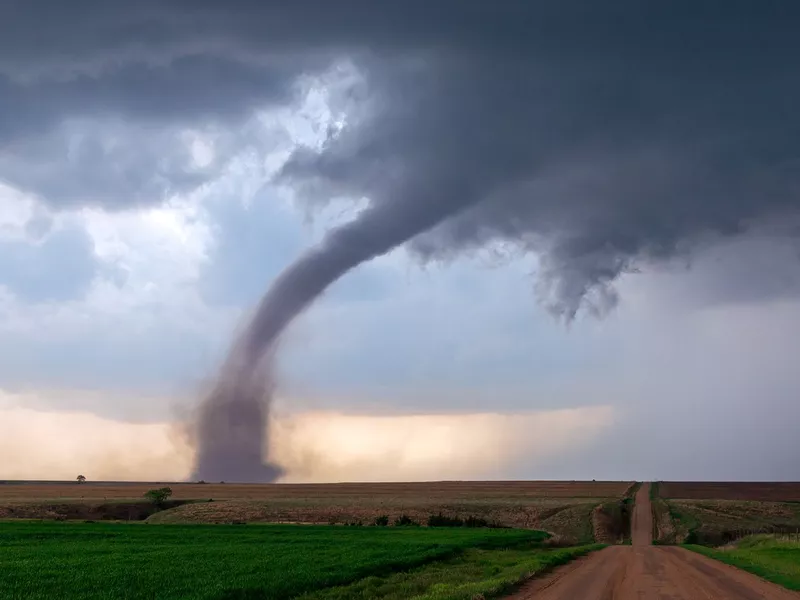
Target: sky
601	274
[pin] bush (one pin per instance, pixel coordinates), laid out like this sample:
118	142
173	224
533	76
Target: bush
158	496
476	522
442	521
405	521
382	521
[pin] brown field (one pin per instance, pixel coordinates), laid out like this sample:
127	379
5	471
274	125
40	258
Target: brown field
717	522
708	490
715	513
451	490
561	507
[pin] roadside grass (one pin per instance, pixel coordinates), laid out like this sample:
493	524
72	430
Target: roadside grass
534	513
571	524
612	521
43	560
719	522
631	491
477	573
667	525
768	557
655	489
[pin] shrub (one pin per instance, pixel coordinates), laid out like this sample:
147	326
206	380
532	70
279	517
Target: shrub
382	521
158	496
405	521
442	521
475	522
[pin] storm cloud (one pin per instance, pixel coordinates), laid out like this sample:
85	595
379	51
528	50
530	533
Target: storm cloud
600	138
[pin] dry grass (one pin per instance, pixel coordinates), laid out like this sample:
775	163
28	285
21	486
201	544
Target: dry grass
561	507
716	522
569	517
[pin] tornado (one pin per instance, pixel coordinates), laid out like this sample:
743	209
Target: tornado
232	428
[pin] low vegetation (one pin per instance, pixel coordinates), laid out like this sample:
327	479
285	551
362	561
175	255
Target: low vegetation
440	520
667	527
570	519
572	524
477	573
405	521
775	558
561	507
75	560
158	496
612	521
719	522
655	490
112	510
689	513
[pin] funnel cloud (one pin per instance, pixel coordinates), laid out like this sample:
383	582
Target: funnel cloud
598	138
233	419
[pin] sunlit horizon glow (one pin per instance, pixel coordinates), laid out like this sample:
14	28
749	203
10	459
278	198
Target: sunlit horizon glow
312	446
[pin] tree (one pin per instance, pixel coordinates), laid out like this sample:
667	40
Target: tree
81	479
158	496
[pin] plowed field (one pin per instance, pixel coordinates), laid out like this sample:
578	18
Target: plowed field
710	490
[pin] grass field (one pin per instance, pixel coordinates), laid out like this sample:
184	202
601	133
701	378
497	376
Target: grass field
477	573
773	559
562	507
115	560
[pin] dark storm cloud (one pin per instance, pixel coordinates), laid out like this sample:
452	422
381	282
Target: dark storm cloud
600	136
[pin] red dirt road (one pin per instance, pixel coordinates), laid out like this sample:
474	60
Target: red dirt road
646	572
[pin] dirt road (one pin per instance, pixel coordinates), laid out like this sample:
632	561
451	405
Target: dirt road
646	572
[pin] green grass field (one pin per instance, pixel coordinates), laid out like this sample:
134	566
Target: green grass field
477	573
773	559
115	560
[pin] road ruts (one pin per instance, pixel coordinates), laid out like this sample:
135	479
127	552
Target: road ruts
642	571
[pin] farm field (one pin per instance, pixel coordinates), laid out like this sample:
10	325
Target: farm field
75	560
690	513
477	573
448	490
563	508
715	490
776	559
